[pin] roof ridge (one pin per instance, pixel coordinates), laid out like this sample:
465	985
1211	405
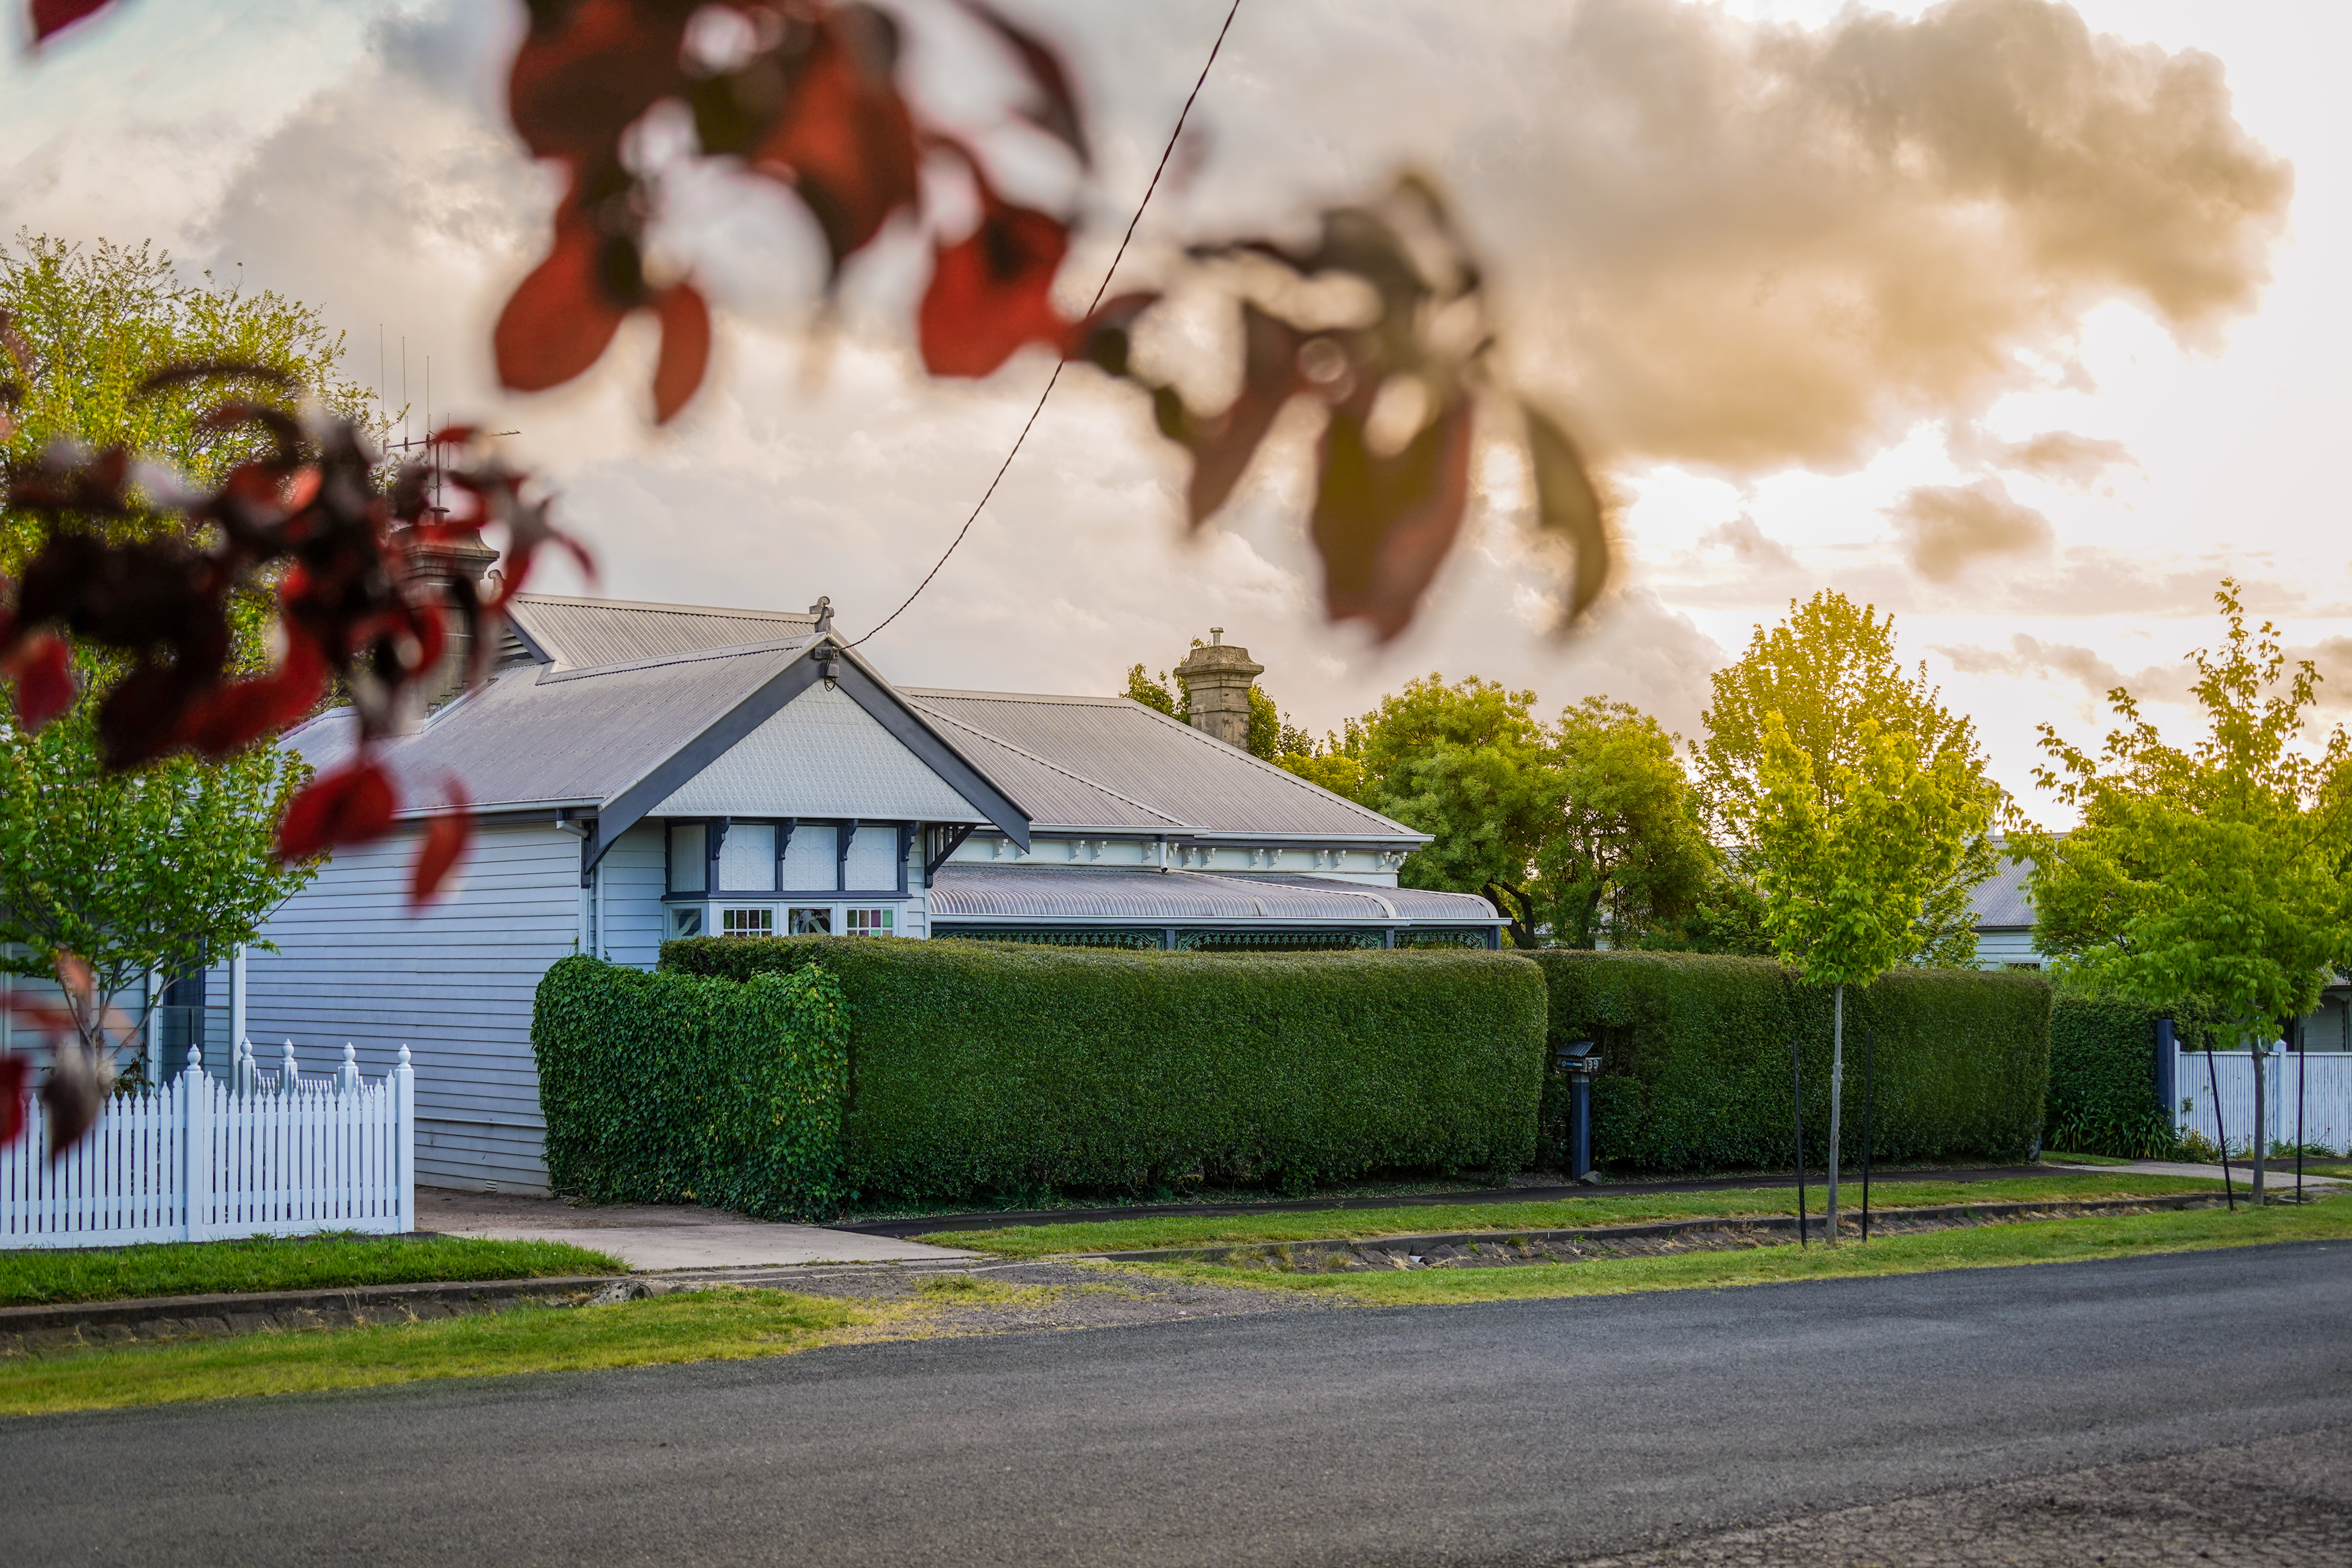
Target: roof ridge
1054	767
665	608
550	674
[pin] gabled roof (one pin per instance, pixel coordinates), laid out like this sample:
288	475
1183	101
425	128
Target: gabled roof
1109	762
597	724
576	633
2001	900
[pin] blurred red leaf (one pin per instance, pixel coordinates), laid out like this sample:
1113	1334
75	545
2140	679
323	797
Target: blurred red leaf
42	667
15	1072
992	291
234	716
444	845
588	68
349	806
72	1095
1057	114
845	138
560	319
1383	525
1223	445
51	16
684	348
1568	506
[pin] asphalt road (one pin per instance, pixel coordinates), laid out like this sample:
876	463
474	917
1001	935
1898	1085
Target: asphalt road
1548	1431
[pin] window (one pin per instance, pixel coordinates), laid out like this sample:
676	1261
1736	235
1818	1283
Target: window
747	923
812	861
2022	968
685	920
810	922
686	857
747	858
869	922
873	865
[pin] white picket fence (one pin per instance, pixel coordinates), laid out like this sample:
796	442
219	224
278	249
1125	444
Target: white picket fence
2322	1079
198	1159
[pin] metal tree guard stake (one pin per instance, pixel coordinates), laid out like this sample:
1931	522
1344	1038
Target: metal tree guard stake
1796	1093
2220	1128
2302	1081
1869	1056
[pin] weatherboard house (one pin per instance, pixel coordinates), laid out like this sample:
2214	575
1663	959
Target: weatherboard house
647	771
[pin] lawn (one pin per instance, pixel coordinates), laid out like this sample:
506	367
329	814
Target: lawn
1317	1225
1984	1246
703	1325
37	1276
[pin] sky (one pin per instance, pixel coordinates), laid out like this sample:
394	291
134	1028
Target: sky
2021	321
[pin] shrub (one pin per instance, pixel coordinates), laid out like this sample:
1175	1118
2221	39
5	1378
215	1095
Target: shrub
982	1067
668	1088
1695	1061
2103	1080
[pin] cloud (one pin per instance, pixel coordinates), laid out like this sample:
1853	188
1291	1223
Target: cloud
1750	546
2077	460
1764	246
1948	527
2068	664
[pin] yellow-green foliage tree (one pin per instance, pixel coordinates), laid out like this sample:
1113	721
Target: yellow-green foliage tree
2219	875
1825	670
1847	858
165	867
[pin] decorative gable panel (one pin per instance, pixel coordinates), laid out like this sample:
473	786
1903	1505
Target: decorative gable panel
820	755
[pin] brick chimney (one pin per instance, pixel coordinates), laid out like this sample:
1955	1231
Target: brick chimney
468	554
1218	677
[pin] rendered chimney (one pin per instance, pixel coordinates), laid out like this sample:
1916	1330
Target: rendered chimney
469	555
1218	677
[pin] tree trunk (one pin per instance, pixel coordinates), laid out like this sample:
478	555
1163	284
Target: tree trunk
2262	1123
1837	1088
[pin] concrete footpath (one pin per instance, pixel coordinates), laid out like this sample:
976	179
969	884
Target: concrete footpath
652	1237
2240	1172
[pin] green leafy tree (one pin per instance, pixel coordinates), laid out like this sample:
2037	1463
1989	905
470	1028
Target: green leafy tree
1825	670
162	869
1625	858
1162	695
167	867
2219	875
1472	765
1847	858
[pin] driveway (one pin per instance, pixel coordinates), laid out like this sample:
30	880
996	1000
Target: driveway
653	1236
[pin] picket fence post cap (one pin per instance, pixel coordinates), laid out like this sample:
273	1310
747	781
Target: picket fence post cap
195	1058
403	1055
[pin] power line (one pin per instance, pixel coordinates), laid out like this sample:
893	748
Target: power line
1101	288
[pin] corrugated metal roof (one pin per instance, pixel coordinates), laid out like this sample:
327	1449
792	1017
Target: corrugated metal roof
821	756
581	633
531	736
964	892
1107	762
2001	900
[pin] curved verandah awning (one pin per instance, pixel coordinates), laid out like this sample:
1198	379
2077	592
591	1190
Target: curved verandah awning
1137	907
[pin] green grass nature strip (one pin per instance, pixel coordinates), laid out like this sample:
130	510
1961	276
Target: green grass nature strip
1985	1247
1327	1223
705	1326
36	1276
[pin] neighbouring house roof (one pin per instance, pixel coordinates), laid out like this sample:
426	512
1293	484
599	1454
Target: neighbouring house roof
962	892
1108	762
576	633
588	720
2002	903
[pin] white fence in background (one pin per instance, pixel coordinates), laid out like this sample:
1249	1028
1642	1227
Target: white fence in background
198	1159
2323	1081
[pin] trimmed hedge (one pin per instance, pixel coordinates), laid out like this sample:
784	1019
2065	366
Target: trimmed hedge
1694	1071
980	1067
661	1088
2103	1080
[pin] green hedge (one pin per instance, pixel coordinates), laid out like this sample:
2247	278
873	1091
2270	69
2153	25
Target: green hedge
662	1088
1695	1070
2103	1080
980	1067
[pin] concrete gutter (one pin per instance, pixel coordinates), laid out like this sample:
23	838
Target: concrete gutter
149	1319
1775	1226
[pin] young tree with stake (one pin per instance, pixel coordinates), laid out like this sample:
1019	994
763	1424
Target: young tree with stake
1847	863
2215	876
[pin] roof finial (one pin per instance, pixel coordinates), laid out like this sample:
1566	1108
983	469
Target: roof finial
823	610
